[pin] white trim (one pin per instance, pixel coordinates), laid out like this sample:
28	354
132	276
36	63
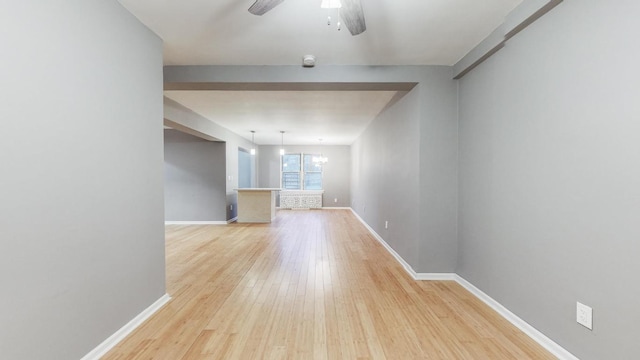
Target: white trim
551	346
399	258
435	276
336	208
114	339
195	222
555	349
414	275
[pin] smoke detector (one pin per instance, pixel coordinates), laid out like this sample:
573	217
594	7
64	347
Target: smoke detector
308	61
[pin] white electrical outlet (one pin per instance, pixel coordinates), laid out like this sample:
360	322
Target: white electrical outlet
386	224
231	207
335	200
584	315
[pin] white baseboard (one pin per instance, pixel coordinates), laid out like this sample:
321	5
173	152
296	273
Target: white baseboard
320	208
435	276
397	256
196	222
114	339
301	209
551	346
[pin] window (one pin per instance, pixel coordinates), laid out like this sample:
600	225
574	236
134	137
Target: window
312	173
300	172
291	172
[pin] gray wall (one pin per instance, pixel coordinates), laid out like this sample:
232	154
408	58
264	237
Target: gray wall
405	172
550	174
176	115
335	175
81	209
438	244
245	169
195	178
386	175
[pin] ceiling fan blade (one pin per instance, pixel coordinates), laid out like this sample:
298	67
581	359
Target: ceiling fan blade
260	7
353	16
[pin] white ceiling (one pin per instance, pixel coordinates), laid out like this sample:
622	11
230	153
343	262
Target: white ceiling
223	32
336	117
399	32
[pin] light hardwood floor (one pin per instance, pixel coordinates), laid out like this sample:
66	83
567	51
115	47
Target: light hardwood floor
311	285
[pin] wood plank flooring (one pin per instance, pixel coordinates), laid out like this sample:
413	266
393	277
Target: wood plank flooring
310	285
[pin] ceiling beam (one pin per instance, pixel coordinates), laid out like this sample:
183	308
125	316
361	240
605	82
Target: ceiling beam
520	18
291	86
172	125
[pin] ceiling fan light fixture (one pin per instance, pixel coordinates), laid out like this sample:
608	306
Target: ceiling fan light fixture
331	4
351	13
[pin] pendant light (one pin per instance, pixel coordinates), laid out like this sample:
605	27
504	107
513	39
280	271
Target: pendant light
331	5
281	142
253	142
319	160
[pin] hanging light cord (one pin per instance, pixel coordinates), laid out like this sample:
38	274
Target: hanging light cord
282	142
253	142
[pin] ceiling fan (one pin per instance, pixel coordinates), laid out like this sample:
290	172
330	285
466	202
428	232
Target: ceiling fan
350	12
